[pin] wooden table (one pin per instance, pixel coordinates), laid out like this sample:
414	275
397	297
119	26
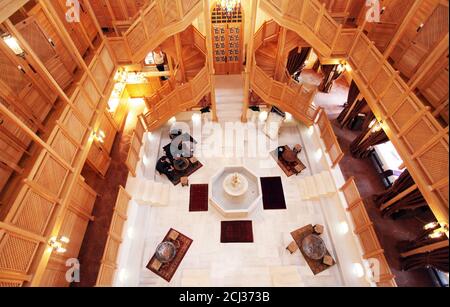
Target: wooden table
317	266
168	270
288	167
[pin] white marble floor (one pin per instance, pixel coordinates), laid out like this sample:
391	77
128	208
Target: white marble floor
266	262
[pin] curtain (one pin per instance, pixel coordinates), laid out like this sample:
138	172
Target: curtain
297	59
403	182
351	100
437	259
361	147
330	73
411	201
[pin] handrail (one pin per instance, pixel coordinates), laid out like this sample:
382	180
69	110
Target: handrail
385	91
298	103
153	26
182	98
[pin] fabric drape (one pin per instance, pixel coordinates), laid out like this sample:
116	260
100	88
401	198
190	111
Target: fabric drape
437	259
330	73
361	147
351	100
296	59
411	201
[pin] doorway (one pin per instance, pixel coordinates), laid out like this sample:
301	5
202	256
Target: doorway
228	39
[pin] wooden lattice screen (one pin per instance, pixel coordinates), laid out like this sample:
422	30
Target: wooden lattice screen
108	266
363	228
332	147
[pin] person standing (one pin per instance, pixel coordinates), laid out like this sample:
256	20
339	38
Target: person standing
159	58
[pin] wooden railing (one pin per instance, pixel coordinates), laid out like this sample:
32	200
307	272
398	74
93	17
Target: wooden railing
297	102
155	24
106	275
363	228
269	29
332	147
166	103
41	208
135	147
418	137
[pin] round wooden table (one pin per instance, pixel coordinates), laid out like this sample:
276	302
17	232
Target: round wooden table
289	156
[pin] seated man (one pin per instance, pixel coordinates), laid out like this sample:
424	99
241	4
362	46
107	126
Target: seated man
163	166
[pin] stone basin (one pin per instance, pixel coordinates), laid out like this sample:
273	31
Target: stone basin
241	204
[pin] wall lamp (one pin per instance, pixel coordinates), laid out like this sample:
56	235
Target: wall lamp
99	136
13	44
58	244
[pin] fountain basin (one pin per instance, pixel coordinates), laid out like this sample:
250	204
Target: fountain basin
235	203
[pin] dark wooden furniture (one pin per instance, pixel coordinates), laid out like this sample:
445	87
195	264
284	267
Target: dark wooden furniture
168	270
288	161
317	266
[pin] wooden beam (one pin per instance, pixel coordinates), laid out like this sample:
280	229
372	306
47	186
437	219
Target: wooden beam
425	249
210	56
398	197
249	59
9	7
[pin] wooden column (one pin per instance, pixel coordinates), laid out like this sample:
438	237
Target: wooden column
249	60
179	51
209	58
279	64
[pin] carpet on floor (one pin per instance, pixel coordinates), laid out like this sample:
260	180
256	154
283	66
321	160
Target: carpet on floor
273	194
236	232
198	200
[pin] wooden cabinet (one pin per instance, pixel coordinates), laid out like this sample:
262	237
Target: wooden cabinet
228	38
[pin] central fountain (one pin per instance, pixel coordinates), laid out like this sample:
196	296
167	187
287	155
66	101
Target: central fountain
235	191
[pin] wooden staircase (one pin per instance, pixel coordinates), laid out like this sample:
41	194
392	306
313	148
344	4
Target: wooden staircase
266	57
194	61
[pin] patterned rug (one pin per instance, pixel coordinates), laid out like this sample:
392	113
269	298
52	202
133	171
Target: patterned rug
236	232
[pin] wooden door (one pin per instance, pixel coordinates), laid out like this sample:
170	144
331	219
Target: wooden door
42	46
228	40
434	29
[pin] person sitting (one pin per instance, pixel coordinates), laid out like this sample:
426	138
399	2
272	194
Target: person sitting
163	166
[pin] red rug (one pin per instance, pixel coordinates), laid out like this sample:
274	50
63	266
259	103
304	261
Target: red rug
198	200
273	194
237	232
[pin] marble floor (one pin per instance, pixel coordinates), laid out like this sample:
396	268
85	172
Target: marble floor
266	262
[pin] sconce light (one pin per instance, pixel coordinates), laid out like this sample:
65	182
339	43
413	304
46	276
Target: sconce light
58	245
13	44
420	27
196	118
358	270
375	126
438	232
99	136
263	116
288	117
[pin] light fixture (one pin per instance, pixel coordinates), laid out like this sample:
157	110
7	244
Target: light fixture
438	232
343	228
100	136
172	120
376	126
319	154
288	117
58	244
311	130
263	116
196	118
13	44
358	270
430	225
229	6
